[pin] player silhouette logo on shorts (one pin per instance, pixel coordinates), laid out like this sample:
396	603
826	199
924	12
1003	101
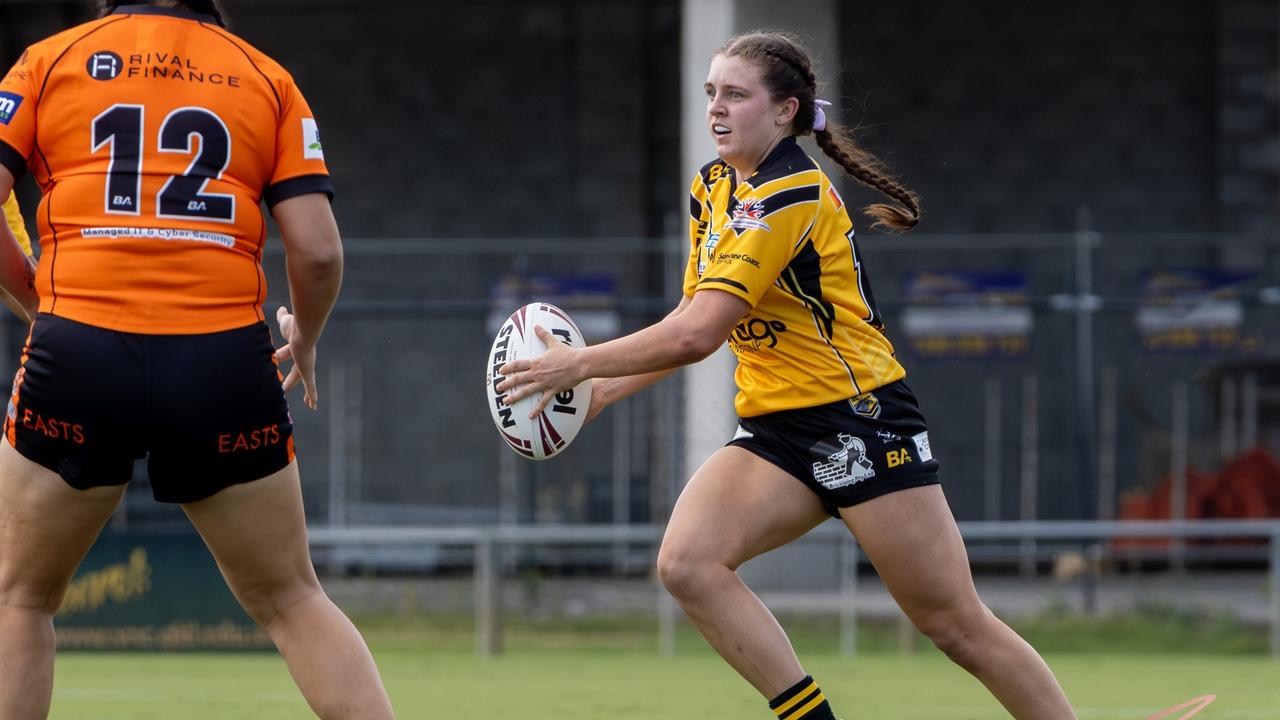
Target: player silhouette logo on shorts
843	464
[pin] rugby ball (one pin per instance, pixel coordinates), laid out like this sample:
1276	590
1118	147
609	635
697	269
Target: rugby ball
548	434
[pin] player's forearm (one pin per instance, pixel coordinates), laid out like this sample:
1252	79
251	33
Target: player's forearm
612	390
314	282
676	341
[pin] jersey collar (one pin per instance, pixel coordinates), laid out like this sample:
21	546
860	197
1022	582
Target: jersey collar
786	145
166	11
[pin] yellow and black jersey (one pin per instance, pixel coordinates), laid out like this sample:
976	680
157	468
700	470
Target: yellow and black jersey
14	219
782	240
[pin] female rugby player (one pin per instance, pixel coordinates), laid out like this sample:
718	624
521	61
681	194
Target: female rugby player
155	135
827	425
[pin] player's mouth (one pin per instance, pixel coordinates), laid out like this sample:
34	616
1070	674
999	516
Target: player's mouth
720	130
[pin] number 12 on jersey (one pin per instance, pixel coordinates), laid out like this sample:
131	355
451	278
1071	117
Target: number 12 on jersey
182	197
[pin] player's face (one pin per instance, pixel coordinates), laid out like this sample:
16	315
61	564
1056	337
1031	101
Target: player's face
744	121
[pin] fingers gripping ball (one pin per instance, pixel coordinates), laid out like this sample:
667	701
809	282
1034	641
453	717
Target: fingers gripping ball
550	432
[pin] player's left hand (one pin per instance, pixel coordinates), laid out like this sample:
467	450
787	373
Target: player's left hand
303	355
554	371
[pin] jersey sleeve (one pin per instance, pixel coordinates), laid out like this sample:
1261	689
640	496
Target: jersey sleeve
699	222
14	219
18	115
300	167
760	238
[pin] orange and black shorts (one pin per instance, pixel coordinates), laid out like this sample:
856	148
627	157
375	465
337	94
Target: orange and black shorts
206	411
850	451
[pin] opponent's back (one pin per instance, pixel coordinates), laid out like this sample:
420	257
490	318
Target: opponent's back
155	134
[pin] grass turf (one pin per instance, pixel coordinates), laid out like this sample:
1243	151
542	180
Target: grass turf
573	683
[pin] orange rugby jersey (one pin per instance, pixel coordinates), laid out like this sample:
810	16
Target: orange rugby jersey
782	240
155	135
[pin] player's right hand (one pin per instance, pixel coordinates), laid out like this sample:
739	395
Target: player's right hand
303	355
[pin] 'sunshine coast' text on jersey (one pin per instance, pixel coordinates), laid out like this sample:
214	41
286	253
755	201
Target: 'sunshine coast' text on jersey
155	135
782	240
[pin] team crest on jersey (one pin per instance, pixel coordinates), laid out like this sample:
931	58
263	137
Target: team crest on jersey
866	405
9	104
842	462
311	147
747	215
707	252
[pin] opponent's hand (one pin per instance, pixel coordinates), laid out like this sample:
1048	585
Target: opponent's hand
303	354
554	371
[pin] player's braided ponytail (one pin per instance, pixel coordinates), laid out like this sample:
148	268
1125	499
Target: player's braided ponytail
788	72
204	7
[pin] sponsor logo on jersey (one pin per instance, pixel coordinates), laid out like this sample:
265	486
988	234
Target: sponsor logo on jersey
311	147
922	446
9	104
841	463
104	65
752	333
747	214
866	405
728	258
707	252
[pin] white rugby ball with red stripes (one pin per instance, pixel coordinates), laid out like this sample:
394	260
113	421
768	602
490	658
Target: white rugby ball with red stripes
550	432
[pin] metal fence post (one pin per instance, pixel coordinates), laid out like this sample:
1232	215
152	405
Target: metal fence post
488	598
1275	594
666	623
848	597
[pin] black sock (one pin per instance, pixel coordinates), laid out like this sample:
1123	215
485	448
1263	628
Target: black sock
802	701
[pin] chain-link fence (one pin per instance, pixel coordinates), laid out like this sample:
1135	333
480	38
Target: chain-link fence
1071	376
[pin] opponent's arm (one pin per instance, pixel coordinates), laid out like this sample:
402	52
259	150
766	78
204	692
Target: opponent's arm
313	262
680	339
17	271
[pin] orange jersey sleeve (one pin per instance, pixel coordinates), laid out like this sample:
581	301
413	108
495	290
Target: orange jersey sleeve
156	136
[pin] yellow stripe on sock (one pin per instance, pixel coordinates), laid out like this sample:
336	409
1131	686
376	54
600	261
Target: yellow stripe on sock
782	709
800	713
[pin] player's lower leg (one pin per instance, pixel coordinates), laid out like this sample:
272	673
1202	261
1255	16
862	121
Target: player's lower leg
329	660
912	539
26	662
257	533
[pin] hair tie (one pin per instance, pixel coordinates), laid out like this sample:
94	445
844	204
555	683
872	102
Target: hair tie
819	115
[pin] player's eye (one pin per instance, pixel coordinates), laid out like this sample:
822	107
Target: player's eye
735	95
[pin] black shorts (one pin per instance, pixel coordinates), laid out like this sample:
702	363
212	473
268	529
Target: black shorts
850	451
207	411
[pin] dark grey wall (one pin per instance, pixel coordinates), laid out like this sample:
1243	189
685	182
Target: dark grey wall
1008	116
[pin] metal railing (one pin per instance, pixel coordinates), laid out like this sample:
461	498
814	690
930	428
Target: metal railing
487	542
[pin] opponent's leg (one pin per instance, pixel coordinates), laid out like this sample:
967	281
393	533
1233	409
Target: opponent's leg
912	539
736	507
46	527
257	533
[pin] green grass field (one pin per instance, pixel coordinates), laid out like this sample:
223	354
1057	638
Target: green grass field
585	673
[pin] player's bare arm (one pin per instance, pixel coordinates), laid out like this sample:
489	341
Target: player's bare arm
679	339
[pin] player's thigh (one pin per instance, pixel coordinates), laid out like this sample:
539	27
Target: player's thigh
46	527
257	532
912	539
737	506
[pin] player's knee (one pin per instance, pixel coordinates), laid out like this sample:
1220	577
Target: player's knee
683	575
266	602
30	595
959	633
